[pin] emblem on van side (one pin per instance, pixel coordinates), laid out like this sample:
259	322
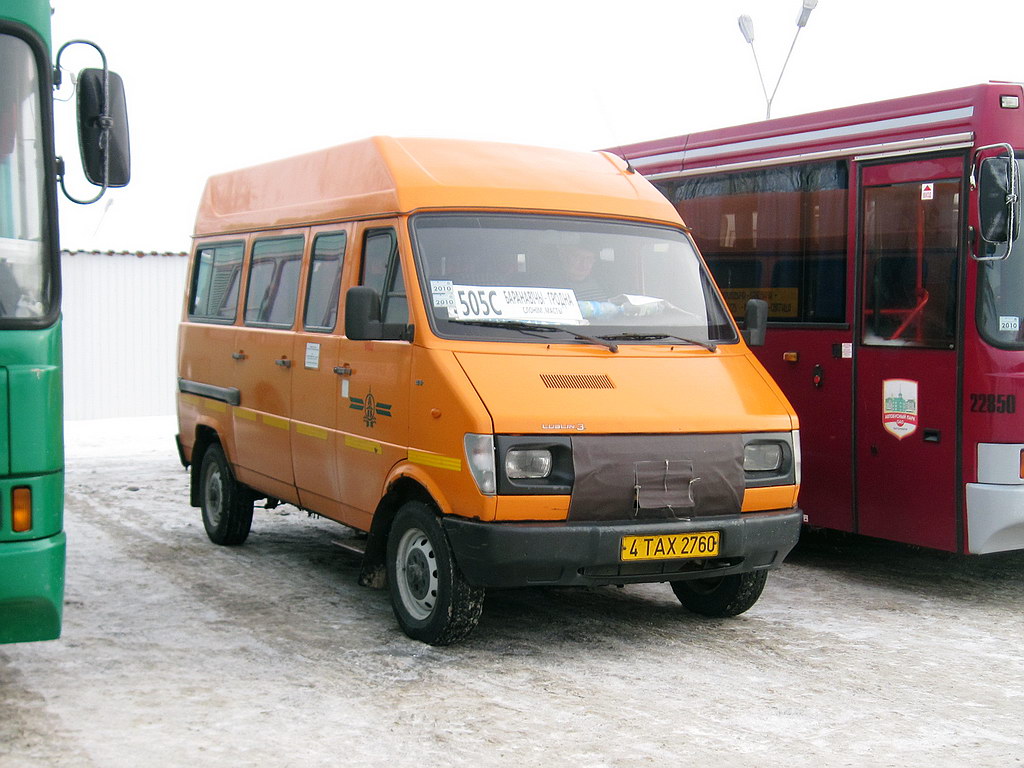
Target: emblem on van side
899	407
370	407
576	427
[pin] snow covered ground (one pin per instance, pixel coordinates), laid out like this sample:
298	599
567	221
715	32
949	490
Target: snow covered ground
179	653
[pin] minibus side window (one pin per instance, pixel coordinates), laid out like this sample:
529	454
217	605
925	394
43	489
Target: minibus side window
215	283
324	282
382	271
273	282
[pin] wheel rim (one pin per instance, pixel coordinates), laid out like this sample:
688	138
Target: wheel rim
214	496
416	571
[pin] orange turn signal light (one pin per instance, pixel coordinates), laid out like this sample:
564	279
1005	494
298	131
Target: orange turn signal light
21	509
1021	465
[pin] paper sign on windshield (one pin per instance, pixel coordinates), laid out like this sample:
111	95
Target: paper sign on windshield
491	302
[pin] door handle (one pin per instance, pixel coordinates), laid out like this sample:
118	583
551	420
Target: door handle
238	355
284	362
343	370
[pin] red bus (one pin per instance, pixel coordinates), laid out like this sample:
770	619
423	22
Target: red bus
882	237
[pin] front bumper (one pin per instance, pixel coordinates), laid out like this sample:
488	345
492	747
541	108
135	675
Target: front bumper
587	553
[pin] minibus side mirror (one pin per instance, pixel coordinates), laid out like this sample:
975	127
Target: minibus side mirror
362	318
103	128
756	325
362	314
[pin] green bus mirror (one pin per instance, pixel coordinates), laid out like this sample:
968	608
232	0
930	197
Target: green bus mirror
103	128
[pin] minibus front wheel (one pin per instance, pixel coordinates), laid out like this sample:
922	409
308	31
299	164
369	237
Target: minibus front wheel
431	598
721	596
226	504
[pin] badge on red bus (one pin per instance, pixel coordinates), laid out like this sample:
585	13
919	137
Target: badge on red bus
899	407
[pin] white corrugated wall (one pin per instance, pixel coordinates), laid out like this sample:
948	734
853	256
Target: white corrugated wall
121	313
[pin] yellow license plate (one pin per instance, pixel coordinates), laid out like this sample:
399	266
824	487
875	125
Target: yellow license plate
670	546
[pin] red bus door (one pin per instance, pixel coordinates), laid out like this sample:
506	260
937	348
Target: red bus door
906	368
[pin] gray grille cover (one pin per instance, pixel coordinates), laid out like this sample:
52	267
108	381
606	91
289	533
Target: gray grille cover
623	477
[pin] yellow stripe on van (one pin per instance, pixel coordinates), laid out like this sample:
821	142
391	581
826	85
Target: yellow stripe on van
244	414
311	431
364	445
274	421
435	460
215	406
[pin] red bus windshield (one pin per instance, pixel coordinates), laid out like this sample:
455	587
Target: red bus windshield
1000	298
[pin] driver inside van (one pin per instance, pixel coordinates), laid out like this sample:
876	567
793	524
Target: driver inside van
578	266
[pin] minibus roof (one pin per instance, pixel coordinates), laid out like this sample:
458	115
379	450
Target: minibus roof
385	176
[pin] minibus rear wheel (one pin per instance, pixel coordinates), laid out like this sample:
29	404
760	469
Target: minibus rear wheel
431	598
721	596
226	504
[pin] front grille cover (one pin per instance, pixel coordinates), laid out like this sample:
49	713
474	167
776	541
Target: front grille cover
657	477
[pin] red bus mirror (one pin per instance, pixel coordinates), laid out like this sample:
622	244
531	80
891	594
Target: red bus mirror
999	201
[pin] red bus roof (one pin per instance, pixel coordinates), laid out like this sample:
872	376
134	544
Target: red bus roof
944	117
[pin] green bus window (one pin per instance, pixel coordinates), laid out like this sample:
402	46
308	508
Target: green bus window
26	284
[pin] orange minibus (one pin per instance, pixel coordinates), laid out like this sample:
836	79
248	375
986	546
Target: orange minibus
503	365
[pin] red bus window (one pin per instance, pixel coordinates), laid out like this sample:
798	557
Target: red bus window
777	234
910	259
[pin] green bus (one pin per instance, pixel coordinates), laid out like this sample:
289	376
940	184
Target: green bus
32	540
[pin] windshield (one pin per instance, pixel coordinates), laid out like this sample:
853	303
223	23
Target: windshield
1000	298
542	278
24	278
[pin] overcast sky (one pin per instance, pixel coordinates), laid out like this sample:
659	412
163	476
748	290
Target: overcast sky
214	85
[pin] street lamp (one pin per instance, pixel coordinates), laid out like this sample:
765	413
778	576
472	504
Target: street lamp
747	30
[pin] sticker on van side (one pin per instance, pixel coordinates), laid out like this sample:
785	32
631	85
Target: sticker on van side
370	407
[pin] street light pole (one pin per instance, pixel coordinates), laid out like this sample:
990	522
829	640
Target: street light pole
747	30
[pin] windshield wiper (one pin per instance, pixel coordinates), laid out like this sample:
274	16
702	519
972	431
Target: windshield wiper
708	345
531	328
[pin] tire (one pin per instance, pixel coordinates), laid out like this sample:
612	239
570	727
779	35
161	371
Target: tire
226	504
721	596
431	599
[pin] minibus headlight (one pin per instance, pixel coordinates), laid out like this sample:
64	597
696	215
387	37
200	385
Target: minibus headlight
762	457
480	457
771	458
528	463
532	465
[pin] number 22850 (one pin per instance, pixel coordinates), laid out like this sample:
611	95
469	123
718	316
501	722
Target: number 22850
981	403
